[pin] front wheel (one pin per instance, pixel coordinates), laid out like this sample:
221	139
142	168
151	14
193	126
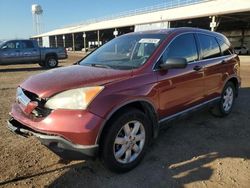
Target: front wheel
224	107
126	140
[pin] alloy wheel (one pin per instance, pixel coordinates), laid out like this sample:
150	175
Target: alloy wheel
129	142
228	99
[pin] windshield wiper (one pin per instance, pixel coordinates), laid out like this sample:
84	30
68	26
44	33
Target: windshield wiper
101	65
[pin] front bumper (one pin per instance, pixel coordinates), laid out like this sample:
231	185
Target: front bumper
57	144
78	126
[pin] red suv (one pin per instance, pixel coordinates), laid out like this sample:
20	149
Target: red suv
112	102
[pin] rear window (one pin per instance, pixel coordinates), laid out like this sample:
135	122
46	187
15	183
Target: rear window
209	46
225	49
28	44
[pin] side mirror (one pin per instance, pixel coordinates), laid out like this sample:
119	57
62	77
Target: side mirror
174	63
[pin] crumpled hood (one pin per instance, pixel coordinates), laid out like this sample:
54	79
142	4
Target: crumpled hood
56	80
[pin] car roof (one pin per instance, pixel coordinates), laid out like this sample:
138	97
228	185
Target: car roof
180	30
17	40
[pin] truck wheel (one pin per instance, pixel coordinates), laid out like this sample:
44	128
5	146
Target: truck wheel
224	107
124	143
51	62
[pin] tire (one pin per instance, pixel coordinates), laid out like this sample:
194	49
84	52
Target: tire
51	62
114	154
225	106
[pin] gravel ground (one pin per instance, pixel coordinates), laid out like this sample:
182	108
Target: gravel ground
198	151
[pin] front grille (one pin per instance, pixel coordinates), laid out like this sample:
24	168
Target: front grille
40	110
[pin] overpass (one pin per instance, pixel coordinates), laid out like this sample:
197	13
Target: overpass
231	17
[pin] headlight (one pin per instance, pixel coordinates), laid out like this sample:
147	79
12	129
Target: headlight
74	98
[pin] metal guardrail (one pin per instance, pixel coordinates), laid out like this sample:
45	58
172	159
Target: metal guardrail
164	6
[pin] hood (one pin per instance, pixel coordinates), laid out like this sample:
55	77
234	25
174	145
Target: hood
57	80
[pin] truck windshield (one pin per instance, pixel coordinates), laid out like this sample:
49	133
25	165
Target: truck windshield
125	52
1	43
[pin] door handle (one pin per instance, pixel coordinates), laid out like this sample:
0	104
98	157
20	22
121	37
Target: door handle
223	61
197	67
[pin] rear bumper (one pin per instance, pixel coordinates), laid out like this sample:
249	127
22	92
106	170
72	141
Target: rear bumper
57	144
62	56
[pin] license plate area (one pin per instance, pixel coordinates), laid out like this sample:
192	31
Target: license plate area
22	99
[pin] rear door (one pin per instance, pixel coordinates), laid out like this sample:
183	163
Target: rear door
180	89
213	61
30	52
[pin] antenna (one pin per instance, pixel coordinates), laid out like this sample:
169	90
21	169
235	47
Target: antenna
37	12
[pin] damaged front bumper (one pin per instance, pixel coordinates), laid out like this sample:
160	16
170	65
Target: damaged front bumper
60	146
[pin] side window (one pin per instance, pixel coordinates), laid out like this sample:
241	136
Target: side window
12	45
18	45
183	46
225	49
209	46
9	45
28	44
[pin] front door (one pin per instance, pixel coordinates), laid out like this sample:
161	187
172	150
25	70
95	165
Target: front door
11	52
180	89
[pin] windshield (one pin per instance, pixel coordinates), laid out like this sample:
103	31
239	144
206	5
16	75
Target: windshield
125	52
1	43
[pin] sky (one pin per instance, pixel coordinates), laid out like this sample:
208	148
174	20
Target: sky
16	17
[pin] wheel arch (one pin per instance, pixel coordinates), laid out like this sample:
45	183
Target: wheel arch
236	83
142	105
51	55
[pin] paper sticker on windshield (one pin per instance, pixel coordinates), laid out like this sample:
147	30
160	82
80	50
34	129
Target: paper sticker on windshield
153	41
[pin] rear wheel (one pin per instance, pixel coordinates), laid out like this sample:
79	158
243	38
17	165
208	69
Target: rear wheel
126	140
51	62
224	107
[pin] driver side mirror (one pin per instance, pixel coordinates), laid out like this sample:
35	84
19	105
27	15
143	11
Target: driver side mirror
174	63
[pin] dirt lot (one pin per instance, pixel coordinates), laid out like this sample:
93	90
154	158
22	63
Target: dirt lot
198	151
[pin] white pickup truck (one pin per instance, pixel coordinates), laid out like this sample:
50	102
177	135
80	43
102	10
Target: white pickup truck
28	51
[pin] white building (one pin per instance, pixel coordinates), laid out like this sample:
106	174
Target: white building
231	17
